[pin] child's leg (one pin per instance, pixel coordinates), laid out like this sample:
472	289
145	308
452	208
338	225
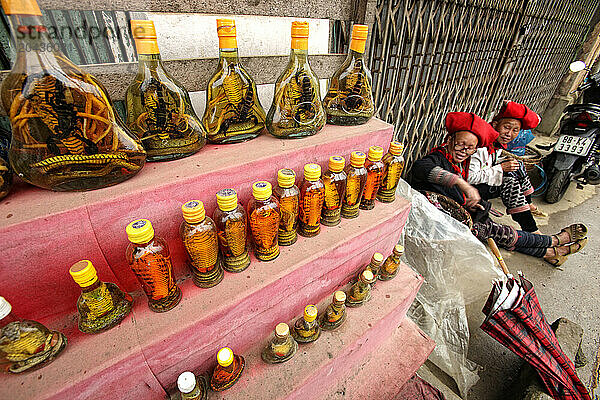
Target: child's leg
516	203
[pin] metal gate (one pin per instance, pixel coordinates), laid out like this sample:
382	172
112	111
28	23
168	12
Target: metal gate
429	57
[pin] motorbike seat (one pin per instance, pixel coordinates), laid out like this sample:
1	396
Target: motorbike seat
583	107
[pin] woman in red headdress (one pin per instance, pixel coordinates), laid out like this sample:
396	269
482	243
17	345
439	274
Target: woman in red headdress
496	176
445	170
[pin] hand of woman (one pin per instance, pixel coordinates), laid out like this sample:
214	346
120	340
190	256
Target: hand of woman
510	165
471	194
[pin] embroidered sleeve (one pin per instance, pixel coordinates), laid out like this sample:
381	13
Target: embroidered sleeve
440	176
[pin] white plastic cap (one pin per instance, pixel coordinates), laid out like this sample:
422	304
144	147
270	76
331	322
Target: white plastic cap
5	307
577	66
186	382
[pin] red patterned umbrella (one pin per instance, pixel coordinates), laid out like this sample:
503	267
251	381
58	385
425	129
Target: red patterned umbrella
515	318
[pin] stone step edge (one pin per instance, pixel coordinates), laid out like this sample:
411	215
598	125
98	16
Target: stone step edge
377	375
365	329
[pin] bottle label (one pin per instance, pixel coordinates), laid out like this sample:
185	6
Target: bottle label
191	204
138	224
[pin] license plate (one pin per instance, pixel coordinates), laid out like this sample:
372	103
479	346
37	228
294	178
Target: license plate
576	145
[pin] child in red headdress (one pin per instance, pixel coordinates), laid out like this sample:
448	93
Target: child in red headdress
496	176
445	170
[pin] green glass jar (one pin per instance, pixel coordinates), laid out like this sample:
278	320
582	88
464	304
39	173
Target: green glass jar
233	112
349	100
297	110
159	109
66	135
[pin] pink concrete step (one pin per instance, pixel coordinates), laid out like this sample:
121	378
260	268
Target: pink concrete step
318	365
239	311
382	373
43	233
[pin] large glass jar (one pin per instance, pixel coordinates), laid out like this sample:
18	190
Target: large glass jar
66	133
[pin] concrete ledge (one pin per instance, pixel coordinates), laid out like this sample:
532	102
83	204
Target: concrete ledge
194	74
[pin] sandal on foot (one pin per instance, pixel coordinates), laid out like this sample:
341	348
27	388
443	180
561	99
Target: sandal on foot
538	213
556	260
578	245
575	231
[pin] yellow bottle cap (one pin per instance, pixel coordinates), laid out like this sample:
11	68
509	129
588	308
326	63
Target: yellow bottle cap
262	190
282	330
144	34
83	273
377	258
360	32
21	7
310	313
193	211
227	199
398	249
143	29
357	159
300	35
359	38
366	276
336	163
339	297
225	357
396	148
375	153
140	231
227	33
286	177
312	172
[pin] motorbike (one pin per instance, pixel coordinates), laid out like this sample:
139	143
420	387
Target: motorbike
575	156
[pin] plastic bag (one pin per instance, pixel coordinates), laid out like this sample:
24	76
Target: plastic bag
458	270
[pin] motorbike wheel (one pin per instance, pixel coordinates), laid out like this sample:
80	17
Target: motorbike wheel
558	185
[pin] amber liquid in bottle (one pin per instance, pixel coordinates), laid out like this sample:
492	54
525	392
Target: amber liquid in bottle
375	171
228	370
360	292
306	328
288	195
66	135
297	110
232	228
101	305
192	387
150	261
159	109
334	181
281	347
335	314
263	211
389	269
24	344
312	195
233	111
349	100
199	235
355	185
394	165
375	266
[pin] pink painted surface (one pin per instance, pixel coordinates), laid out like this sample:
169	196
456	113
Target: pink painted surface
248	305
43	233
240	311
383	373
317	366
104	366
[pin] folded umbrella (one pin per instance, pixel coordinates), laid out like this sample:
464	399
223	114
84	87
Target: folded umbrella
515	318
